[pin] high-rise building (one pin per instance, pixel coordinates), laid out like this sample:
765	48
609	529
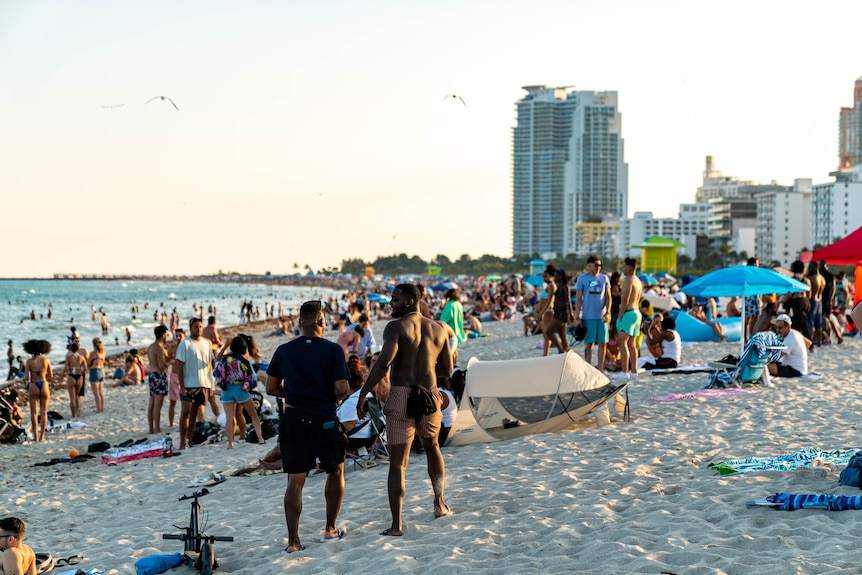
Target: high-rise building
567	168
835	207
850	131
783	222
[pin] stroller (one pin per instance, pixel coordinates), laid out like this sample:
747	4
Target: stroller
10	418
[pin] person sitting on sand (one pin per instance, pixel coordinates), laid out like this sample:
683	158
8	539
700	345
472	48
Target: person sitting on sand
732	308
132	374
662	333
696	312
17	558
794	360
358	429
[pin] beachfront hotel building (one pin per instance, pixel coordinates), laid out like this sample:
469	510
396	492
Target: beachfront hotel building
850	131
689	229
783	226
567	168
836	207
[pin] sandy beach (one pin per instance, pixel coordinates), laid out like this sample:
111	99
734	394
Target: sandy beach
629	497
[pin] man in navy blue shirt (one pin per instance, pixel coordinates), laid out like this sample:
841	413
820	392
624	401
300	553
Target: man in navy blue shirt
310	373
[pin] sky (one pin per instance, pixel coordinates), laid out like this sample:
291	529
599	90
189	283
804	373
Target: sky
313	132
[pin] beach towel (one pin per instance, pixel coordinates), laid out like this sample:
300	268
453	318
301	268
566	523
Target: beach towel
703	394
787	462
115	455
791	501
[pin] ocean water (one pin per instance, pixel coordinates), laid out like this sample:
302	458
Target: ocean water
75	299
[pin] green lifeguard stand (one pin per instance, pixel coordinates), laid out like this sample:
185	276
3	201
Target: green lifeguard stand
658	254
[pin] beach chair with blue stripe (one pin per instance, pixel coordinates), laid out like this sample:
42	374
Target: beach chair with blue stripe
763	348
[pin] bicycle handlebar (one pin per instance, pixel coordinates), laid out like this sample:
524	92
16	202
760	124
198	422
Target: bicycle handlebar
173	536
200	493
217	538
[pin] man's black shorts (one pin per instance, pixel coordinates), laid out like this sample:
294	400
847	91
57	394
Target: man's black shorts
787	371
197	396
305	437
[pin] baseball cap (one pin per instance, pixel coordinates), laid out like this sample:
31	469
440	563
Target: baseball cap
783	317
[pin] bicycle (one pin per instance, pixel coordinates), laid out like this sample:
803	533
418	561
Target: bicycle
199	548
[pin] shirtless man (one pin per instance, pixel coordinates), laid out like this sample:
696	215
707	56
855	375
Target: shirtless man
16	558
157	377
629	320
416	350
815	315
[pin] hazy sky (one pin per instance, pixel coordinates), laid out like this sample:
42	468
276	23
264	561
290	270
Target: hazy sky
310	132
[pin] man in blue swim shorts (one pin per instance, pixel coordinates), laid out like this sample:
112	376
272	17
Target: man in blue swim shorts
629	319
593	308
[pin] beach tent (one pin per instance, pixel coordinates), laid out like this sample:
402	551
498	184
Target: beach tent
512	398
846	251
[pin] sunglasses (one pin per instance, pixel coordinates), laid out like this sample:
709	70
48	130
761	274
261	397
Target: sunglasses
597	264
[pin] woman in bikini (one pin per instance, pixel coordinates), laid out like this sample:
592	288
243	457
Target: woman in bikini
97	374
74	369
37	374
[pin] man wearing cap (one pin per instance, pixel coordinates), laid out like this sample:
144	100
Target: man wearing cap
593	308
794	360
310	373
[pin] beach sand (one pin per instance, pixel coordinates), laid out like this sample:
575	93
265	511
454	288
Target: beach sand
629	497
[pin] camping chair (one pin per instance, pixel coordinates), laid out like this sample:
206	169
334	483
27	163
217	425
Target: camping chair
763	347
365	458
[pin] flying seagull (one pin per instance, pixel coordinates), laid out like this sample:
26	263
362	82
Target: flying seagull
111	107
163	98
455	96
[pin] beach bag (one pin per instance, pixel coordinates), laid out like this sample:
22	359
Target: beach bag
269	427
154	564
205	432
44	562
420	402
852	474
98	447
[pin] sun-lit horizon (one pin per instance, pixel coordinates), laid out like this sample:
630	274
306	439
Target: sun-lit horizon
311	134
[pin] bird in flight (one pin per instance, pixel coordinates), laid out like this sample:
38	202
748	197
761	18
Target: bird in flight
112	106
163	98
455	96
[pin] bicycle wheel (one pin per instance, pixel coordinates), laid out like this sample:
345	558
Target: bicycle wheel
206	558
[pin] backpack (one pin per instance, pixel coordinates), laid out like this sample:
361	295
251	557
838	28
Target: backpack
852	474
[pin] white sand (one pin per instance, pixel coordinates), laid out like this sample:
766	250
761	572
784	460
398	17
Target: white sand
631	497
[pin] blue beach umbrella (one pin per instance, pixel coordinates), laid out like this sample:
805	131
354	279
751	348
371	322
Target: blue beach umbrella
742	281
377	298
647	279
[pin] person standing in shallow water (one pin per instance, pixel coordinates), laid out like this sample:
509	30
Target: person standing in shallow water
415	353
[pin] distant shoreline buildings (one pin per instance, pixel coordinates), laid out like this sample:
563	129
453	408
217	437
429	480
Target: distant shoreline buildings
570	190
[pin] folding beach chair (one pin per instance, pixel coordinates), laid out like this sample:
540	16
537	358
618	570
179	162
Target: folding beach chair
763	347
365	458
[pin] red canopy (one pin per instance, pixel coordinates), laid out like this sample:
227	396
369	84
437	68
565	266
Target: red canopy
847	252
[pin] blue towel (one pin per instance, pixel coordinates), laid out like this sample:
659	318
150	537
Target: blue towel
790	501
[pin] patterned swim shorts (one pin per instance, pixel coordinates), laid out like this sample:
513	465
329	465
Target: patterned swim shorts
400	429
158	383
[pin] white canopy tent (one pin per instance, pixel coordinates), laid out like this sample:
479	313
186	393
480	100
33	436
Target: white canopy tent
540	394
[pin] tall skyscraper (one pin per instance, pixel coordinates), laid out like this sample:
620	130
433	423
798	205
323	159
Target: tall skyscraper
567	167
850	131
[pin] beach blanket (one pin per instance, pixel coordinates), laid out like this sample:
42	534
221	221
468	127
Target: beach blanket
703	394
791	501
115	455
787	462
